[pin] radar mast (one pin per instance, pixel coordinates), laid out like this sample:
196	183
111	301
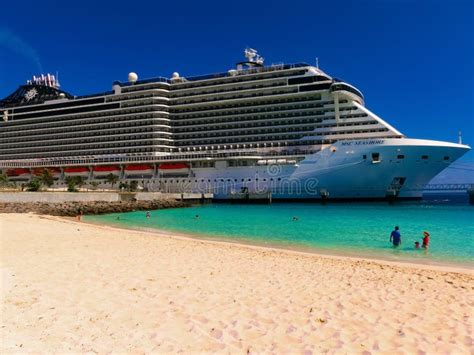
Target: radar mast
253	59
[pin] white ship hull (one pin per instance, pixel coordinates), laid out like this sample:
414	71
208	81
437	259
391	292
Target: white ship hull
339	171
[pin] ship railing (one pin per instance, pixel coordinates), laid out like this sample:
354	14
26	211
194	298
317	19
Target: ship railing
184	156
247	71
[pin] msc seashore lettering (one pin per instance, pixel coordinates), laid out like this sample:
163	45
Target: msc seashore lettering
377	141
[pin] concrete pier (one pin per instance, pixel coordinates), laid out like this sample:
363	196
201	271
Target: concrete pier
57	197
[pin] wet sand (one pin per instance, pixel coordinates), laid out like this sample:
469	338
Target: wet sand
68	286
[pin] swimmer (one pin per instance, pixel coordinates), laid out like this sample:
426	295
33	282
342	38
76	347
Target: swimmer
426	239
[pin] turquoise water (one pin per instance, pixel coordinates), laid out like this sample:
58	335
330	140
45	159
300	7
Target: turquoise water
353	228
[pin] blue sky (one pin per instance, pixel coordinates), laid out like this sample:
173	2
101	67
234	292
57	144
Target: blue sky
413	60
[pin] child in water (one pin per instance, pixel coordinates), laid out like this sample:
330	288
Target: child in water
417	245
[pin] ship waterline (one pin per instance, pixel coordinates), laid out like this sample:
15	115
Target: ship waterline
286	131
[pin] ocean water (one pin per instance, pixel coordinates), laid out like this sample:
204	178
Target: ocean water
358	229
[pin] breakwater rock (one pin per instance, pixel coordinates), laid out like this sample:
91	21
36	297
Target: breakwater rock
74	208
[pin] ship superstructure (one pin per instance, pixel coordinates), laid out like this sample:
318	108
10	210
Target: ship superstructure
227	133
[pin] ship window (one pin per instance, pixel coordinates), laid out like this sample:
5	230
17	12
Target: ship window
364	156
446	158
375	157
304	80
424	157
400	156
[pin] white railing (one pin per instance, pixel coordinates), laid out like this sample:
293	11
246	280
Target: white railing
183	156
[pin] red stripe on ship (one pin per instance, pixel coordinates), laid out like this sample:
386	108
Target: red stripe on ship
106	168
17	172
172	166
138	167
78	169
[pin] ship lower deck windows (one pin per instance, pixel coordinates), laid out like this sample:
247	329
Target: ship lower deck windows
424	157
446	158
400	156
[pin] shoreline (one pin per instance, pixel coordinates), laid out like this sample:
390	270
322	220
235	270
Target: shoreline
90	207
305	250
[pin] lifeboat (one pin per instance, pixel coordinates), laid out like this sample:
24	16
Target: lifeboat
18	173
77	171
173	169
106	170
55	172
139	170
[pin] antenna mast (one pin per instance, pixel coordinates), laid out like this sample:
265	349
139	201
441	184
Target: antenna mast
460	137
57	79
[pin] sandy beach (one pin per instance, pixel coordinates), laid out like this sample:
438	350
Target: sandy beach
68	286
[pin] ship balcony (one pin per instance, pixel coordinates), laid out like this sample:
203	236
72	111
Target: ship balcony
347	90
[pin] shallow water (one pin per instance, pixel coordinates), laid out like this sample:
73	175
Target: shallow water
349	228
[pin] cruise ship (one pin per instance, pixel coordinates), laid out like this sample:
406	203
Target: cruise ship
289	131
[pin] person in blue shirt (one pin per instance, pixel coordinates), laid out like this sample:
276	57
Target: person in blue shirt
395	237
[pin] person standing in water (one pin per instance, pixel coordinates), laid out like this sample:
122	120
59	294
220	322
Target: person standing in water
426	239
148	215
395	237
